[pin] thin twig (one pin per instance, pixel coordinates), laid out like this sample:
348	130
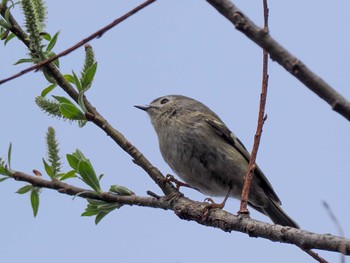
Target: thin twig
338	226
97	34
261	119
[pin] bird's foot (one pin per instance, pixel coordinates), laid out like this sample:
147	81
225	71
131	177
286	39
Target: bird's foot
178	184
212	205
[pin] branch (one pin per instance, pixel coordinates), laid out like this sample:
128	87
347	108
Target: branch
97	34
278	53
261	119
190	210
67	189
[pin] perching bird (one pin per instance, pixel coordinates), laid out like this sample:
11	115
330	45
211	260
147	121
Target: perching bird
204	153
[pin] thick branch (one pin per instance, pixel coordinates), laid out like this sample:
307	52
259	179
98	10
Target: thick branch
190	210
278	53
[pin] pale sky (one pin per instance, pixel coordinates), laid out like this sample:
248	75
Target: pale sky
179	47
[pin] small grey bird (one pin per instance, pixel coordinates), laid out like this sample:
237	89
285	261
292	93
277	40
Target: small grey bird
203	152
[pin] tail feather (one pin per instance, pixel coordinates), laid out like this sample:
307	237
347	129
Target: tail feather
278	216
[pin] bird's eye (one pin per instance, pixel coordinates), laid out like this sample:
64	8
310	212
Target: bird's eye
163	101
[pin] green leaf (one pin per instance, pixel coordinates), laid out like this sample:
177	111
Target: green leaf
77	81
69	78
81	123
99	208
25	60
52	42
88	175
71	112
120	190
7	15
46	36
34	200
11	36
81	101
100	216
79	155
24	189
73	161
9	156
62	99
4	178
48	169
89	213
4	171
48	90
70	174
89	76
4	26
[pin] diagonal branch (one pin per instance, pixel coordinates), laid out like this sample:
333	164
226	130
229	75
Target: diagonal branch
278	53
97	34
98	119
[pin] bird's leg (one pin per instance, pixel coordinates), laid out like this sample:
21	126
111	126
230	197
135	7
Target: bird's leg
221	205
178	184
212	204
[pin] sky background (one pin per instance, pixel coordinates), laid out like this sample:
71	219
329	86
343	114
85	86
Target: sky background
179	47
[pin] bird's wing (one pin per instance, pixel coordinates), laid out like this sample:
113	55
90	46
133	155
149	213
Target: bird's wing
221	129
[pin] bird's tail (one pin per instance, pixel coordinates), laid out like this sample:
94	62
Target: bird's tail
278	216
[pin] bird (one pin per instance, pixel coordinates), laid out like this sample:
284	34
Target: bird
203	152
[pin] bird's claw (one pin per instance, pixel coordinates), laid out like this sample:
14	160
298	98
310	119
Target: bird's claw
178	184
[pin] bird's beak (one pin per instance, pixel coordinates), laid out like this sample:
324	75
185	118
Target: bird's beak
145	108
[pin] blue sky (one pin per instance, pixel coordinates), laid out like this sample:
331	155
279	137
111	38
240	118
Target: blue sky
179	47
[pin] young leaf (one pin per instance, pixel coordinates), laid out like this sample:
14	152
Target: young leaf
81	123
46	36
99	208
25	60
24	189
34	200
73	161
70	174
89	77
62	99
3	169
52	42
4	178
100	216
9	155
120	190
88	175
71	112
89	213
48	90
69	78
79	155
81	101
11	36
49	170
77	81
